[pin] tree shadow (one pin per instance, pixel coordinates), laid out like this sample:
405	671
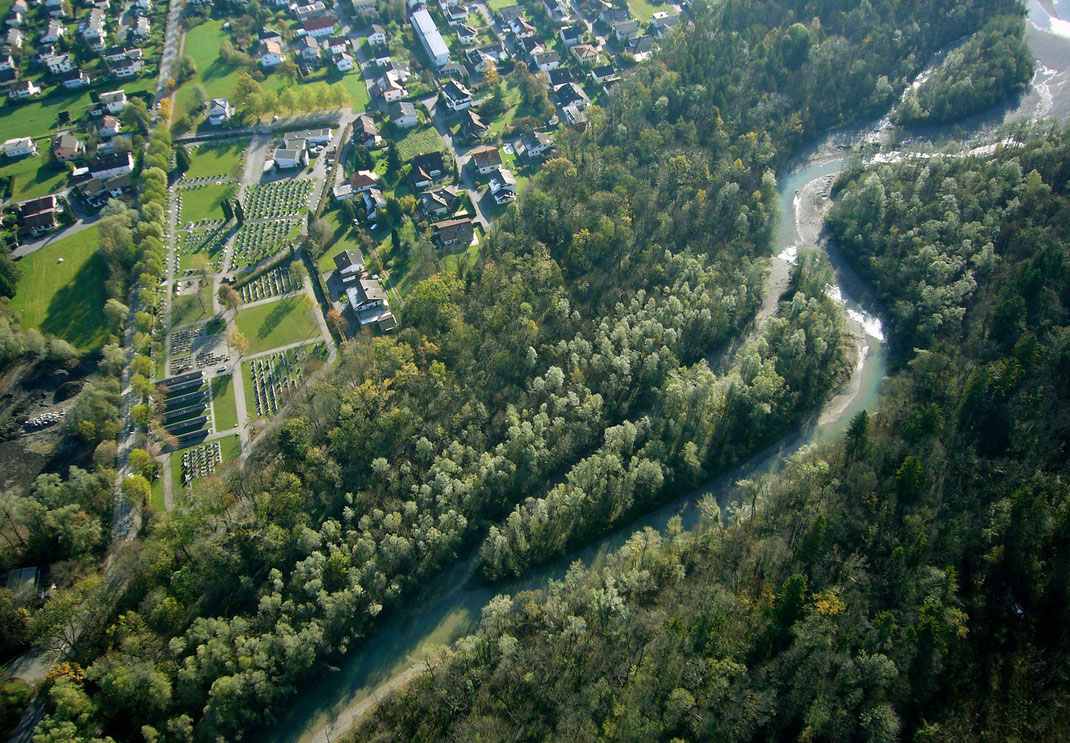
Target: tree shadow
74	313
278	313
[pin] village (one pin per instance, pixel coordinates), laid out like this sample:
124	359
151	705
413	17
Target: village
326	160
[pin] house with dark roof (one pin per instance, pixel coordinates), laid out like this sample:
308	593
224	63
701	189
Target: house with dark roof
485	159
427	168
456	96
502	186
439	201
349	264
453	234
534	144
365	132
321	26
106	166
473	128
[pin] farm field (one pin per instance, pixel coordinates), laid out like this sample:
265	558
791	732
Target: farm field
65	299
223	404
275	324
34	176
219	160
419	141
40	117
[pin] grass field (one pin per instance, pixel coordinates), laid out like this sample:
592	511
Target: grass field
358	89
223	404
644	10
203	203
342	238
156	493
191	308
419	141
34	176
40	117
275	324
65	299
208	161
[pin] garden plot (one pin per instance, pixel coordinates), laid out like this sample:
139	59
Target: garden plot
271	284
279	199
258	240
271	378
209	243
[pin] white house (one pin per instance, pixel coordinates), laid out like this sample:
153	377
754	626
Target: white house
338	44
456	96
403	114
6	62
219	111
14	18
13	38
466	34
109	127
59	64
22	90
343	62
53	32
546	61
485	159
286	159
364	180
571	35
113	101
270	53
535	144
390	87
502	186
74	79
317	27
118	163
308	48
377	35
363	6
313	136
141	29
19	147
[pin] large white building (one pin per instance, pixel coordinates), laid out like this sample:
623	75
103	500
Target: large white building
430	38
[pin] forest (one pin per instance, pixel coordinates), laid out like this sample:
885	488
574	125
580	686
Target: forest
906	582
578	344
991	66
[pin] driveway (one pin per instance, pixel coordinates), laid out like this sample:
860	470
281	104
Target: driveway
438	118
84	222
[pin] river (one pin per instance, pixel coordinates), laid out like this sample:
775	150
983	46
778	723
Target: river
449	607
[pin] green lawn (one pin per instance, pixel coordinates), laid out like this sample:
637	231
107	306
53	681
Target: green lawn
358	89
499	4
156	493
207	161
38	118
280	323
192	308
65	299
342	238
644	10
250	392
418	141
34	176
203	203
223	404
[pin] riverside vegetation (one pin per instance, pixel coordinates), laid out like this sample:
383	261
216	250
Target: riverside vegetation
573	346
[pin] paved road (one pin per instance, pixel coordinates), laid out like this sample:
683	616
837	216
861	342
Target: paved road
460	155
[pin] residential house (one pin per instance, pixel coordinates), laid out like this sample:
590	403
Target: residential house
605	74
509	13
473	128
625	31
575	116
59	64
119	184
114	54
8	76
455	14
390	87
456	96
370	305
430	38
522	29
571	35
289	158
66	147
403	114
270	53
377	35
311	10
534	144
485	159
663	23
141	29
439	201
53	32
477	59
557	77
467	35
109	126
343	191
144	6
344	62
571	94
74	79
269	34
308	48
93	192
363	6
641	47
585	53
13	39
557	11
44	51
364	180
373	201
23	89
113	101
612	14
322	26
219	111
129	65
117	163
313	136
92	30
546	61
380	54
453	234
502	186
19	147
365	132
349	264
6	62
39	222
337	44
427	168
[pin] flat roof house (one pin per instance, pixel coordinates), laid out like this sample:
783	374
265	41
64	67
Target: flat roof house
430	38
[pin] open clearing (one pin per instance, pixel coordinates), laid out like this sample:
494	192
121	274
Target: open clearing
223	405
40	117
218	160
204	203
65	299
275	324
34	176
